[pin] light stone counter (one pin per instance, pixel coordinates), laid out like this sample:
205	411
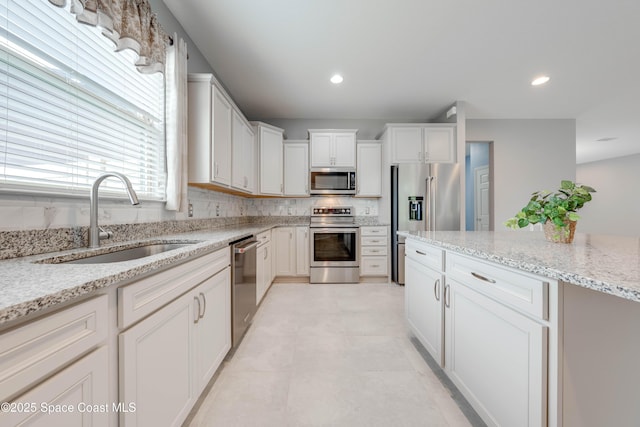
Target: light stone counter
27	286
608	264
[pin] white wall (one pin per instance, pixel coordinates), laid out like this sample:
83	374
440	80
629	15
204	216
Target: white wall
615	207
529	155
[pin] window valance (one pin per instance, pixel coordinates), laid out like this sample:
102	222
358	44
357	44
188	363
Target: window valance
130	24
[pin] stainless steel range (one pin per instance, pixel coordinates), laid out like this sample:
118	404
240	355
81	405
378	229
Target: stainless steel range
334	245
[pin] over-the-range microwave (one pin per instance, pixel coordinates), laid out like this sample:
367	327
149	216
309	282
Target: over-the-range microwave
326	181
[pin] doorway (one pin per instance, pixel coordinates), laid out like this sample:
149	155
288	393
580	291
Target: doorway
479	186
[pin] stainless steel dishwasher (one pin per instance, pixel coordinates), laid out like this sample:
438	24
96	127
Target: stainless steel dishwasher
243	291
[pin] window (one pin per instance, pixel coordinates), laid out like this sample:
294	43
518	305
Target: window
71	108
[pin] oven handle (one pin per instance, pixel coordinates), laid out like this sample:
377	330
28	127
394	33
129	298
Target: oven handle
334	229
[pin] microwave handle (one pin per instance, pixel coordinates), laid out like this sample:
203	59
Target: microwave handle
352	180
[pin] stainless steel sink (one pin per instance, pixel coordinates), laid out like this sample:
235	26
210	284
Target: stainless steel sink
123	254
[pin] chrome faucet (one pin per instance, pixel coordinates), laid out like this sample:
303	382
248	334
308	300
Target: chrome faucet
95	232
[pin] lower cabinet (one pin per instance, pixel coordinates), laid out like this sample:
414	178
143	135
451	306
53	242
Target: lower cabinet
373	251
77	396
169	357
497	358
302	251
424	303
263	270
291	251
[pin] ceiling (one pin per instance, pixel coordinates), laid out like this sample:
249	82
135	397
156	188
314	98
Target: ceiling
411	59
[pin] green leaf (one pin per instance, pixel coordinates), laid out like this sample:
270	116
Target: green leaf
534	219
573	216
523	222
558	222
567	185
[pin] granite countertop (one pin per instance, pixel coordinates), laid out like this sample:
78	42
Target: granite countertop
608	264
28	286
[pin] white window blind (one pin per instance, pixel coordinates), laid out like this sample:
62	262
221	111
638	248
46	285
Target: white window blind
71	108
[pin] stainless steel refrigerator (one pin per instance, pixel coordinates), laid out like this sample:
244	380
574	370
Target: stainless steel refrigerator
423	197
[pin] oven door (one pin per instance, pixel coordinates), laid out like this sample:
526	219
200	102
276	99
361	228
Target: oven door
334	247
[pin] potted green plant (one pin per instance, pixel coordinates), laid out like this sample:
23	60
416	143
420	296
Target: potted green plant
556	211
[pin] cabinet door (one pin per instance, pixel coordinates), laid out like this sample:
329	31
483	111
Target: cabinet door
439	145
212	330
221	161
285	251
321	150
155	363
249	158
497	358
344	150
369	170
296	169
302	251
424	306
261	272
406	144
270	162
82	386
238	160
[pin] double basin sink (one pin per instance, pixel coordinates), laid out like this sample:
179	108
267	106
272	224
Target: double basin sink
124	254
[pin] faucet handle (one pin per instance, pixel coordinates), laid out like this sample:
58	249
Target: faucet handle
105	234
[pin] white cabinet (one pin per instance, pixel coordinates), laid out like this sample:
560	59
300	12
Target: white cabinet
296	168
496	325
373	250
332	148
424	306
302	251
497	358
167	358
77	396
243	156
264	257
285	242
209	131
421	143
271	158
291	251
369	169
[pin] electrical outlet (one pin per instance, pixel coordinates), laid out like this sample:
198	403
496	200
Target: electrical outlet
367	210
241	210
190	210
217	209
289	210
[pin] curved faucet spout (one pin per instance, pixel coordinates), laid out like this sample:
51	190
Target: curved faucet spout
94	230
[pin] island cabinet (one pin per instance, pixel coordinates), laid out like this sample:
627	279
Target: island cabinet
180	333
424	303
493	329
333	148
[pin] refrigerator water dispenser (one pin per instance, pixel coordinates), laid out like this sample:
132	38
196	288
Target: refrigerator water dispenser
415	208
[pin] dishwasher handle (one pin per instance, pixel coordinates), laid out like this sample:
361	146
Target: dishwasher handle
246	247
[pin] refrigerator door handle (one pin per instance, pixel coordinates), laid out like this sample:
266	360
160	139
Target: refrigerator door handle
430	219
433	204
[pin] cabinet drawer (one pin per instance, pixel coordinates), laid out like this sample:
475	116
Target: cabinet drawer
373	240
425	254
373	266
263	237
526	293
142	298
373	231
41	347
374	250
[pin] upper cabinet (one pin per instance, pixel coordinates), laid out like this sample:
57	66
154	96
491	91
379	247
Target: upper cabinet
296	168
331	148
369	170
209	131
421	143
243	154
271	158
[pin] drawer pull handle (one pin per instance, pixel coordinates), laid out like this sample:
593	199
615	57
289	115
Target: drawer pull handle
436	289
481	277
421	253
198	312
375	265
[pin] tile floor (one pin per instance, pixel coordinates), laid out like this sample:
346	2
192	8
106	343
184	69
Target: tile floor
328	355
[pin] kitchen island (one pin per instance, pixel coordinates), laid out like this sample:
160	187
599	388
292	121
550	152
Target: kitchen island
548	328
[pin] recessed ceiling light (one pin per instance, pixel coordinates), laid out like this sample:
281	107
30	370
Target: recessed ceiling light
540	80
608	138
336	79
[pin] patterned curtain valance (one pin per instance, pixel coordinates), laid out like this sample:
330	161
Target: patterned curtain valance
130	24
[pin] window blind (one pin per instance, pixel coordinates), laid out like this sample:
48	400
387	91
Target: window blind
71	108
